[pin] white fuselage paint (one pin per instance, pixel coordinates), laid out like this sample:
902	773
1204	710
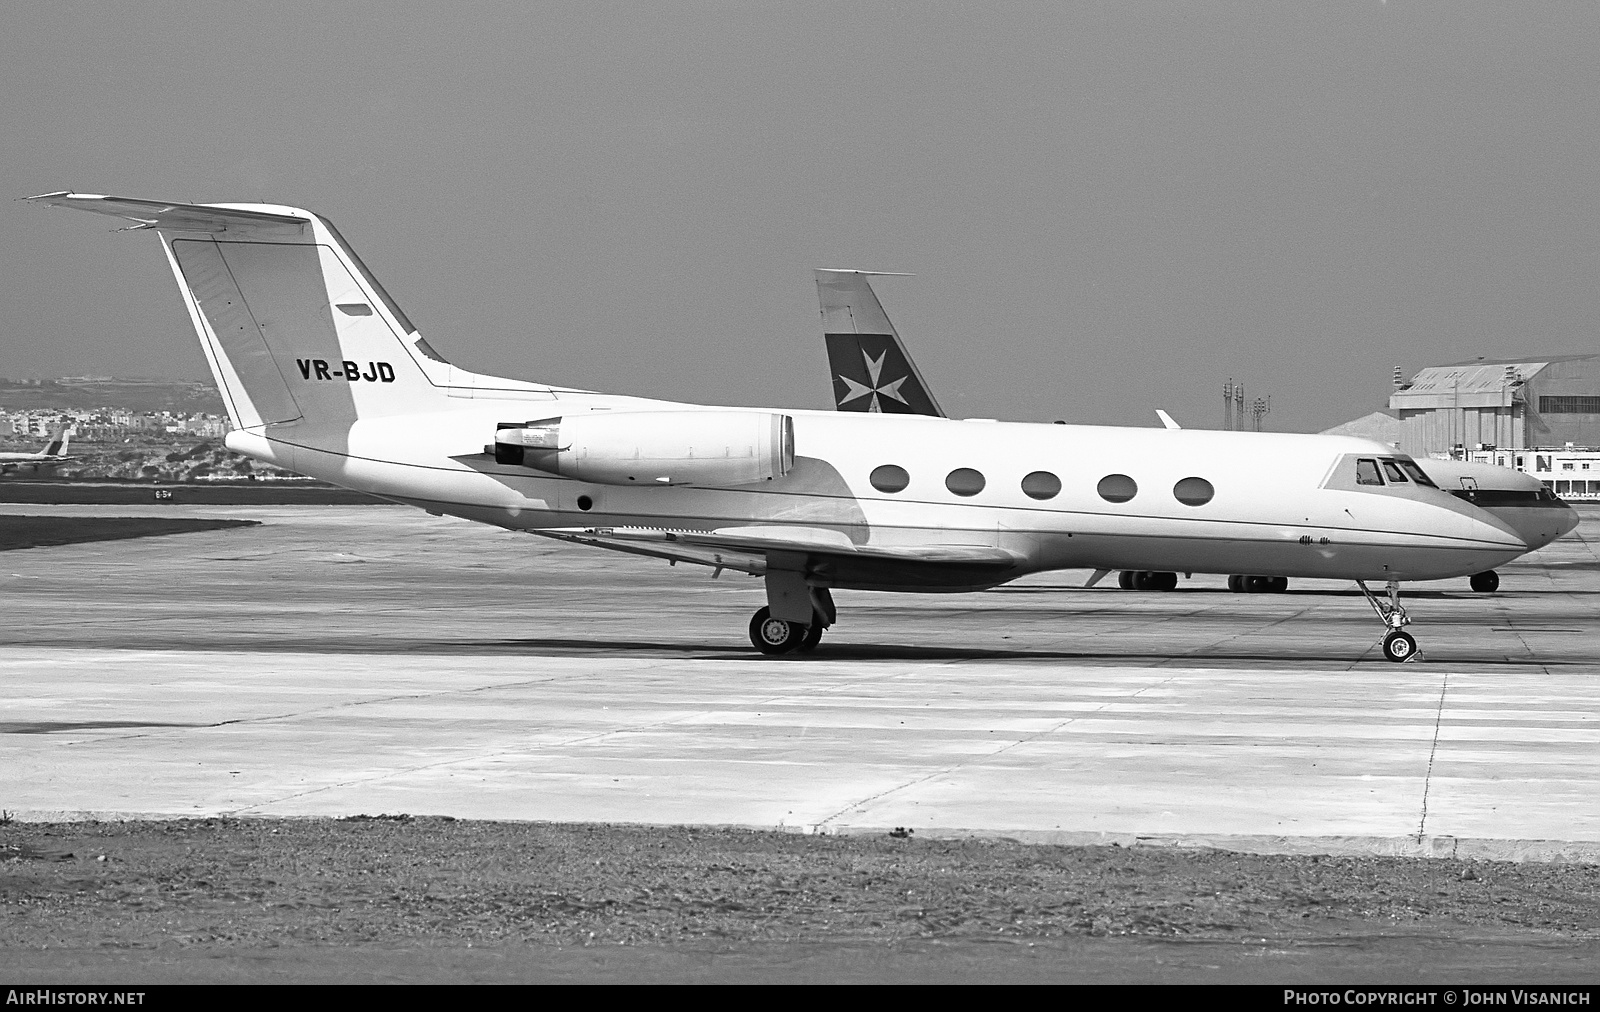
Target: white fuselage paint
1270	513
16	464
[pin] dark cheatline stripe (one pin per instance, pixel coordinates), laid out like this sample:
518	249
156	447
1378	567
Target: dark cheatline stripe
1507	497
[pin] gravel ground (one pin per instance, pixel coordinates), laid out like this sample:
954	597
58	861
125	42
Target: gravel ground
397	881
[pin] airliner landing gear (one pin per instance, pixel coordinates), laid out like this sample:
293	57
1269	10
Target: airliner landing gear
1485	583
1133	579
1398	645
1258	584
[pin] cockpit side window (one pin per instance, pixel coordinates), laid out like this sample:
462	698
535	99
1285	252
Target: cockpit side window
1367	472
1417	474
1392	471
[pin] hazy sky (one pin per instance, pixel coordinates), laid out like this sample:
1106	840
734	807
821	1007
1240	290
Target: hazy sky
1109	207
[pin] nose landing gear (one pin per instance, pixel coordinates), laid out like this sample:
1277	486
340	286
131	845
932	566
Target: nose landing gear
1398	645
1485	583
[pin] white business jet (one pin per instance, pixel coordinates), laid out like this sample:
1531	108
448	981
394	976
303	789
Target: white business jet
324	374
38	464
873	372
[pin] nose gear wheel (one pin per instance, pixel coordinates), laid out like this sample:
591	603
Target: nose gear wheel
1398	645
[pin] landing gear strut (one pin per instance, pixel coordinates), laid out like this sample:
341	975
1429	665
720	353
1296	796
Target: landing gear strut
1398	645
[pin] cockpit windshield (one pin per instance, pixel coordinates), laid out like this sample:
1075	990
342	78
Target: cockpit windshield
1378	472
1417	474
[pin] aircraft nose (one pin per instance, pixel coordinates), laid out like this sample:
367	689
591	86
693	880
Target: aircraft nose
1569	521
1492	529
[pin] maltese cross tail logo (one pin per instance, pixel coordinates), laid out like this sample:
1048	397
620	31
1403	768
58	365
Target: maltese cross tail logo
874	371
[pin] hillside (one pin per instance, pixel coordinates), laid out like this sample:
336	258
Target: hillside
82	393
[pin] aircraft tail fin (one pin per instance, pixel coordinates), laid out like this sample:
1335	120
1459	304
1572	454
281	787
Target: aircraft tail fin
293	324
58	441
870	367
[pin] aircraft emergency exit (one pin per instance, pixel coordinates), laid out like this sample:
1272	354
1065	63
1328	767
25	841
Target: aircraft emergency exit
324	374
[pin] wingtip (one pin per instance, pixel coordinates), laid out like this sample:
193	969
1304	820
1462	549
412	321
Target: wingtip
865	274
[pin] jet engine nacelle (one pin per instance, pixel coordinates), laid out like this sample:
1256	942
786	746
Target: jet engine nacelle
653	447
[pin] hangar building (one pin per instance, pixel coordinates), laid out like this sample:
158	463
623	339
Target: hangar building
1550	401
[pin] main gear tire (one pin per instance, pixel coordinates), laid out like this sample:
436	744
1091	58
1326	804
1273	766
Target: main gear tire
774	635
812	637
1485	583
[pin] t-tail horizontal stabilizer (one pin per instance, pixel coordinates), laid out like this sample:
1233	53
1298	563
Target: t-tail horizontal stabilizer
871	370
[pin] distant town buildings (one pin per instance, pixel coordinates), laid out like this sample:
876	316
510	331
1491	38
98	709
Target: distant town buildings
106	424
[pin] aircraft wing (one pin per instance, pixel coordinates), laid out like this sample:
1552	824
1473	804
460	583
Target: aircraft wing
747	549
164	214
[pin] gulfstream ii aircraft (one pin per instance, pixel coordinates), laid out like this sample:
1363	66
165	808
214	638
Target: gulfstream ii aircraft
325	375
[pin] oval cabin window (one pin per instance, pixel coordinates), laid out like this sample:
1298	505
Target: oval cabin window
1193	491
1041	485
889	478
1117	488
964	481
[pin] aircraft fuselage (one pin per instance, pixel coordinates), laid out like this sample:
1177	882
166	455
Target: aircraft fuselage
1277	504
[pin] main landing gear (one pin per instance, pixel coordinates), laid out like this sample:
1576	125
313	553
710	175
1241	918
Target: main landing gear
1485	583
778	636
773	635
1398	645
1132	579
1258	584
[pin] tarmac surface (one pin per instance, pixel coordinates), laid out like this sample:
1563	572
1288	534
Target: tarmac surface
345	660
